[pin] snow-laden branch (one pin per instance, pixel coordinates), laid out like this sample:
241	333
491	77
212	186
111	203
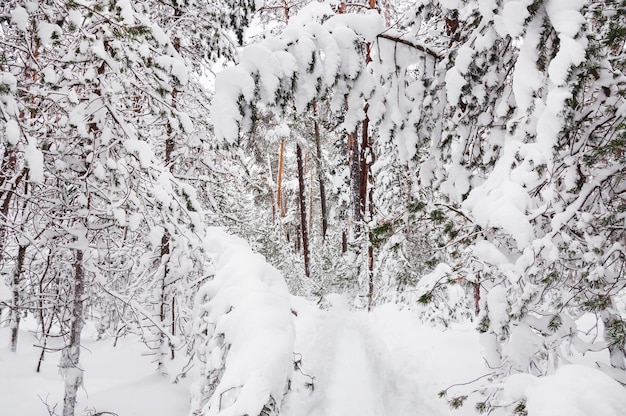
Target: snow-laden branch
408	43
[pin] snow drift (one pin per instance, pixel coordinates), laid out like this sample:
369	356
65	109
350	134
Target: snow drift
244	333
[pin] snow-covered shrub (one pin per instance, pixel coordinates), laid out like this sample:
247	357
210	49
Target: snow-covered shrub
244	333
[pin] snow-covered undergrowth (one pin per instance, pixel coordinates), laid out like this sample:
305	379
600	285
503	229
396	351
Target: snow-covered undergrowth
574	390
244	333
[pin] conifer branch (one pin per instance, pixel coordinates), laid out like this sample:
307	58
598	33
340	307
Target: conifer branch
420	48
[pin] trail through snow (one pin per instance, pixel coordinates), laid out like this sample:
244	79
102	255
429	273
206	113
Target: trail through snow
383	363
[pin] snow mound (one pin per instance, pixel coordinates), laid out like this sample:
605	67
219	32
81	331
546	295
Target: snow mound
574	390
244	333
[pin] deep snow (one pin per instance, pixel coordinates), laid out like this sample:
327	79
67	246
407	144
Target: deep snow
121	380
382	363
349	364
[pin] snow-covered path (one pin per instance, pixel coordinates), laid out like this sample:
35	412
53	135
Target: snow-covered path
354	386
385	363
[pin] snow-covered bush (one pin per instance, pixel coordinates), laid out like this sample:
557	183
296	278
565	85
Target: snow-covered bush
244	333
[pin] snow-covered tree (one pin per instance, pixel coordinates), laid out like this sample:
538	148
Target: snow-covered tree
88	91
509	117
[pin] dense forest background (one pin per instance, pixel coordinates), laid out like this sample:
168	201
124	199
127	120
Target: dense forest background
463	159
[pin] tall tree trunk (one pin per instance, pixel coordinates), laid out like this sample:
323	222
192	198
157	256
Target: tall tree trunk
310	207
279	180
170	145
70	361
15	310
302	200
354	160
162	348
7	173
367	159
320	174
367	198
42	316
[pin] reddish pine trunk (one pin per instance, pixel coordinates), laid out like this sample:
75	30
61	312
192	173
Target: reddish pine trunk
279	181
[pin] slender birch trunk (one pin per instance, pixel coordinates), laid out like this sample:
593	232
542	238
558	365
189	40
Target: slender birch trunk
15	310
70	361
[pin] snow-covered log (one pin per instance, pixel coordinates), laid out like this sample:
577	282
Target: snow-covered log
244	333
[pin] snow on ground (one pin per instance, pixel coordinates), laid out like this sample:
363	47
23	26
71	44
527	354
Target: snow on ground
120	380
382	363
574	390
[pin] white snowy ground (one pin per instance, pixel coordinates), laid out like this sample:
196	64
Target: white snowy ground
120	380
382	363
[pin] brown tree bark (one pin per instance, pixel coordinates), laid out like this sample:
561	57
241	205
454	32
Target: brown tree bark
367	159
354	160
279	180
320	174
477	295
302	200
